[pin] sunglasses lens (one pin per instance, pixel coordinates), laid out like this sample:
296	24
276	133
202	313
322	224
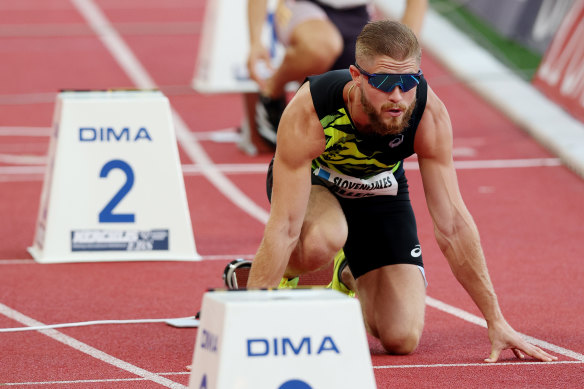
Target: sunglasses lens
386	82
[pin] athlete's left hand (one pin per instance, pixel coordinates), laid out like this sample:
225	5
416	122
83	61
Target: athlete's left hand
504	337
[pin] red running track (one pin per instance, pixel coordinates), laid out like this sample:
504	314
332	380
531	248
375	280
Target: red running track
530	220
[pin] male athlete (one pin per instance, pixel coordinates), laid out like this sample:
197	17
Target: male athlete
338	189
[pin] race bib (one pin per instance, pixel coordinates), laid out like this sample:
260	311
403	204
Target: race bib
382	184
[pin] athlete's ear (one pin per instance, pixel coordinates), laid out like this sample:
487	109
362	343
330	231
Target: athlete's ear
355	73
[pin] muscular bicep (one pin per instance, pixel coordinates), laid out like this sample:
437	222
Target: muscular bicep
433	145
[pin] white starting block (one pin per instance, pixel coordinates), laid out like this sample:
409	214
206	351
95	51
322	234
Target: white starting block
113	189
281	339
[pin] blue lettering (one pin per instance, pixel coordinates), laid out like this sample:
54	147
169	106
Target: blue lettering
125	131
142	133
260	347
256	352
203	382
288	342
110	134
328	345
209	341
87	134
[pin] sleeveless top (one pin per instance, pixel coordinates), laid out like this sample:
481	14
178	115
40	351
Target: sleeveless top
354	164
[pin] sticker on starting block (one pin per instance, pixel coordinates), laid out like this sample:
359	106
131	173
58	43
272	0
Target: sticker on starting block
113	189
281	339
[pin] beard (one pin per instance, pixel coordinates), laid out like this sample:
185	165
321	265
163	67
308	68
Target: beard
392	125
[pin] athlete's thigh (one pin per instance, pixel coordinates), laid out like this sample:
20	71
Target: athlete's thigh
304	20
325	213
393	299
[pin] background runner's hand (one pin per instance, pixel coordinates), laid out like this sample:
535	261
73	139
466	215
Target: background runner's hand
258	54
503	337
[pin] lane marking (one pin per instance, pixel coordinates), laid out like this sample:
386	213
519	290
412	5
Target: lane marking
375	367
87	349
23	159
231	168
482	323
214	257
25	131
90	381
518	363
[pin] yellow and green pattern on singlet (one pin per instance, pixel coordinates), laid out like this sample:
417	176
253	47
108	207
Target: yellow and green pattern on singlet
348	154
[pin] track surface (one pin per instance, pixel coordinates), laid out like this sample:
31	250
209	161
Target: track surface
528	207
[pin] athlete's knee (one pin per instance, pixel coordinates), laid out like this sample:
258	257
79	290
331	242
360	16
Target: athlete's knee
326	51
322	50
400	342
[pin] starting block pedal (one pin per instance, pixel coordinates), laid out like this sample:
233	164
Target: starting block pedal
281	339
236	274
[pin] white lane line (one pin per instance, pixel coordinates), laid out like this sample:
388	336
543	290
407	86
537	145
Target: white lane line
484	364
25	131
90	381
17	262
86	381
196	169
24	159
87	349
214	257
124	56
481	322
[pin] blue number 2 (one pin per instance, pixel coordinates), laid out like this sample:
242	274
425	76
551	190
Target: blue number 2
106	215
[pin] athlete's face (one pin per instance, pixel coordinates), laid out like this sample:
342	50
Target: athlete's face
388	112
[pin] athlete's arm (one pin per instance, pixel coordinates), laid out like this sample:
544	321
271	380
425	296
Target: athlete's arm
455	230
414	14
300	140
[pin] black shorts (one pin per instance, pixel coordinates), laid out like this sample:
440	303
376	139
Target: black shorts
382	229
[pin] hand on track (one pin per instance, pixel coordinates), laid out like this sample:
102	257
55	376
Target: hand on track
504	337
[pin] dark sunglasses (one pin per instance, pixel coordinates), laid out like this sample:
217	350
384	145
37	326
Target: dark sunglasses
386	82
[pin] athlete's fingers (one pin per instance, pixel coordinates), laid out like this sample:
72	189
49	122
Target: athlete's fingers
518	353
495	352
538	353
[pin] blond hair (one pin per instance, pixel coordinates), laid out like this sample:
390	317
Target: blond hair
387	38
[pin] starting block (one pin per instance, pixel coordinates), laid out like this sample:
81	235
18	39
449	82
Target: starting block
113	188
281	339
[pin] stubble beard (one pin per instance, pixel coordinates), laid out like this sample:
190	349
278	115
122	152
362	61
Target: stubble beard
393	125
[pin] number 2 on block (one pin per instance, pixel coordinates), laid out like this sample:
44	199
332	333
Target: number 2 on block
106	215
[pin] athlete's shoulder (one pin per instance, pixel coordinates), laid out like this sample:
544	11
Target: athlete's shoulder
331	77
327	91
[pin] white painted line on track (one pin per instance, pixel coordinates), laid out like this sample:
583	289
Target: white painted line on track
88	381
17	262
87	349
25	131
214	257
104	380
233	168
484	364
482	323
140	77
25	159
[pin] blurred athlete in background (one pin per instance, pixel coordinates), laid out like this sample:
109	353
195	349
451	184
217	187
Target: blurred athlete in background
318	35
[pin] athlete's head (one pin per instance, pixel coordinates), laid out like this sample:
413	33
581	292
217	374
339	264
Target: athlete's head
387	72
